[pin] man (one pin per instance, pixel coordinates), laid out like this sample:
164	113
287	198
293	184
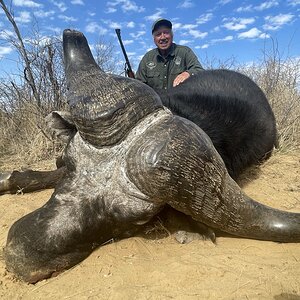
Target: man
169	64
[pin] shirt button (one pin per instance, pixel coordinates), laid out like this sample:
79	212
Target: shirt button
165	76
165	88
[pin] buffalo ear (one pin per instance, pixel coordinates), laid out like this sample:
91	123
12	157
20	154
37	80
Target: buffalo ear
61	125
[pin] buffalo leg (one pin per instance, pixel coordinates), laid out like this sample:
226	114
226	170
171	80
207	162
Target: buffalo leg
29	180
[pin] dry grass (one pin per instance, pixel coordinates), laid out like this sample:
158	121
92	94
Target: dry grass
280	81
24	138
286	106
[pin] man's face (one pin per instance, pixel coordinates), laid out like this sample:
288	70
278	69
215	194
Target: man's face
163	38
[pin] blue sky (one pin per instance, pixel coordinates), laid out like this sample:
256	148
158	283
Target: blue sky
213	29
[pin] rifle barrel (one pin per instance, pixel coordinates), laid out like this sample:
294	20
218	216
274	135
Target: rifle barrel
118	32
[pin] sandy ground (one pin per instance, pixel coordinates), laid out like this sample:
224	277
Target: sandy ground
160	268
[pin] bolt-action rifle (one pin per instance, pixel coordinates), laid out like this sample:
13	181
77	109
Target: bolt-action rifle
128	70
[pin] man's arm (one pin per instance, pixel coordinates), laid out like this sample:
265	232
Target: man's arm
192	63
193	67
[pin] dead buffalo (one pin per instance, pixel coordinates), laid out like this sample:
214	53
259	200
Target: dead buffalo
233	112
128	159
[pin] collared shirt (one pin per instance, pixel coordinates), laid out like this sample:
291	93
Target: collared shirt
159	72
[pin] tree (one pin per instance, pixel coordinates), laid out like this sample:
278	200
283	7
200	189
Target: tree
20	47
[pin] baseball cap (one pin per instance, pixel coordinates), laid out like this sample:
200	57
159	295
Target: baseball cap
161	22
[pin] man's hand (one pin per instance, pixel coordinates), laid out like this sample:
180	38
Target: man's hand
181	78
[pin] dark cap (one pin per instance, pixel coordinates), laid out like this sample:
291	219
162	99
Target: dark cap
161	22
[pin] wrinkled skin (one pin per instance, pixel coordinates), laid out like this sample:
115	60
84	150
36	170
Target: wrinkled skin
128	159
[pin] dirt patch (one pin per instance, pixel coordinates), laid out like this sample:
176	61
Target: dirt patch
140	268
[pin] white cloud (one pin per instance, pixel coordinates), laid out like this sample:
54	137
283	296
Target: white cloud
126	6
113	24
223	2
5	34
234	26
67	19
225	39
263	6
250	34
253	33
131	6
26	3
130	24
177	26
238	23
276	22
204	18
186	4
158	14
127	42
44	14
110	10
5	50
216	29
77	2
137	34
205	46
61	5
94	27
131	55
188	26
245	8
264	36
266	5
24	17
189	30
184	42
197	34
293	2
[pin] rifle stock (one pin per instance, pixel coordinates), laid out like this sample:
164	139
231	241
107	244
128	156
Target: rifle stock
128	69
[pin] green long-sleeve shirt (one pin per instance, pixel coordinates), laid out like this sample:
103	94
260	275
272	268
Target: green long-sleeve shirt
159	72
